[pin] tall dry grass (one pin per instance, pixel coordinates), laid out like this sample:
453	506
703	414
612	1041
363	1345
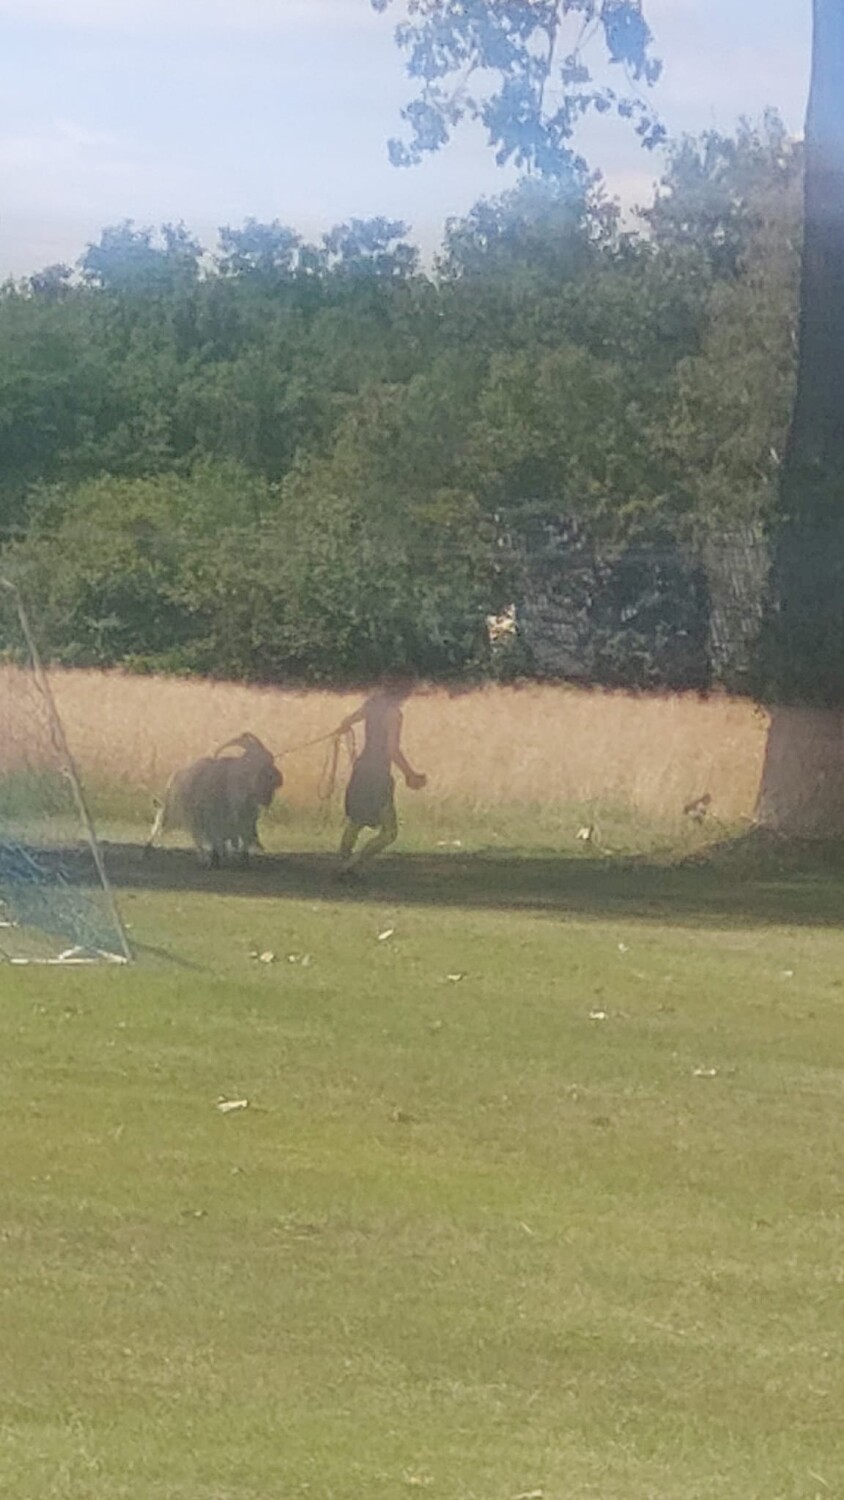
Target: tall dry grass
491	746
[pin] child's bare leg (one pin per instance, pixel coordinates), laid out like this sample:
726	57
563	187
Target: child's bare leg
386	835
351	834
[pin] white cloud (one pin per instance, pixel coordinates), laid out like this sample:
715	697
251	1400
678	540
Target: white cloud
56	146
197	16
723	60
210	110
64	180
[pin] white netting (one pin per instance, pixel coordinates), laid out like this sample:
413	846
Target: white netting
55	901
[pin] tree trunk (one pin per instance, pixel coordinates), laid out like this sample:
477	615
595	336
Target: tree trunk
801	661
802	789
817	432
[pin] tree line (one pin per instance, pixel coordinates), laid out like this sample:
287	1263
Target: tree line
314	462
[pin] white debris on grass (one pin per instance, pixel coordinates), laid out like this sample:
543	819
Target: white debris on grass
705	1073
231	1106
387	933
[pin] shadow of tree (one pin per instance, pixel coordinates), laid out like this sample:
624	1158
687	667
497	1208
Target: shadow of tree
756	880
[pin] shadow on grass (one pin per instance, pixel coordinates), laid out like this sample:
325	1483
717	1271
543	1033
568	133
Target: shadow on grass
754	880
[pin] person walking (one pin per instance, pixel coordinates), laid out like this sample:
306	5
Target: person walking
370	794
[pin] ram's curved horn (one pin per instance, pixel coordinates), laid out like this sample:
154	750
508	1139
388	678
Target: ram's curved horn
245	741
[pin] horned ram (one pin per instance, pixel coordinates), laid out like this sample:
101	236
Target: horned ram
219	798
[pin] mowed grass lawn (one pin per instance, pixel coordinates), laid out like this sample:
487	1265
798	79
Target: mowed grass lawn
567	1225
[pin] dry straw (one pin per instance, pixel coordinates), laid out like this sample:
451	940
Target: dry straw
488	747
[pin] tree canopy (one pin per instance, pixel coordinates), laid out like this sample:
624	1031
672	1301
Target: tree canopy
525	72
312	461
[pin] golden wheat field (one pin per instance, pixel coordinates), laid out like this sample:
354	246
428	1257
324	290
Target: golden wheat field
486	747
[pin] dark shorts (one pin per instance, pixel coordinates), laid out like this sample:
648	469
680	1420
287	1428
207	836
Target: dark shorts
370	795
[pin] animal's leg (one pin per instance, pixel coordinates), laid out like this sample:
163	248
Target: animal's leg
247	839
206	853
157	827
249	830
238	849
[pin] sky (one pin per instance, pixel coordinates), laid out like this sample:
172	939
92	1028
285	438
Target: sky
211	111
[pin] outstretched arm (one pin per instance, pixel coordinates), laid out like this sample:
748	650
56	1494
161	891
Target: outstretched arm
351	719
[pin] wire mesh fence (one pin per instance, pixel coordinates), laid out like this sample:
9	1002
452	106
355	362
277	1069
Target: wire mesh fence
660	614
